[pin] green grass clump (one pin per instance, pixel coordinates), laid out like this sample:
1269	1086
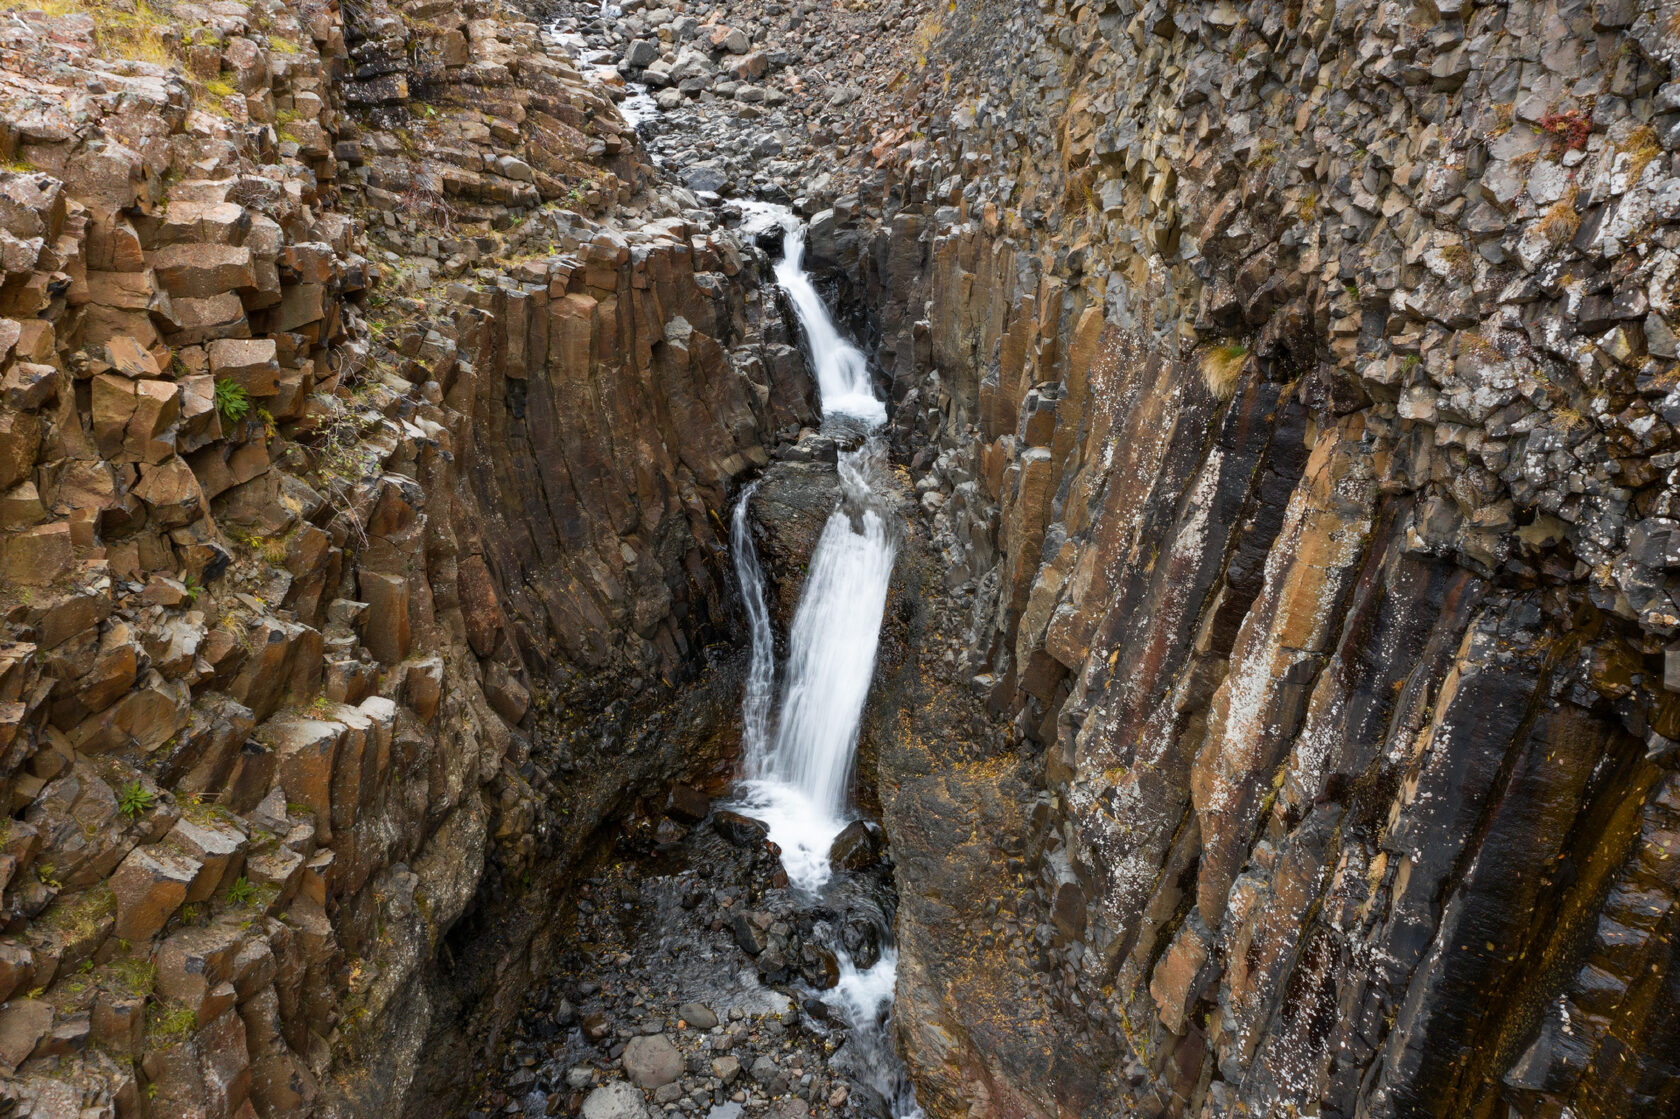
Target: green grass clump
242	892
135	800
232	401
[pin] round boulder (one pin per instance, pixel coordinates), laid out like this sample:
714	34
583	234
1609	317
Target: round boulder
652	1061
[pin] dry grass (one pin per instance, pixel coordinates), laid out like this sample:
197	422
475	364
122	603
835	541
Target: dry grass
1222	366
1561	220
120	30
1641	148
1078	196
1474	343
1458	260
1504	116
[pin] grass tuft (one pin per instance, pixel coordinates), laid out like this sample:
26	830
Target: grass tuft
137	34
1221	368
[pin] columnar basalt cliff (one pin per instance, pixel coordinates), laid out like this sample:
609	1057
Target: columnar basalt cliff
366	425
1291	388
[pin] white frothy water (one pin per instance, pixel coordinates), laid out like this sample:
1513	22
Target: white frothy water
797	780
638	107
798	784
842	370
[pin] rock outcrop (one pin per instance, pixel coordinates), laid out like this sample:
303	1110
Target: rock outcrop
361	514
1278	705
1290	391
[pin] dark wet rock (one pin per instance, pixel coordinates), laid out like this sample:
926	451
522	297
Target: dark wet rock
859	846
742	831
819	966
687	804
697	1015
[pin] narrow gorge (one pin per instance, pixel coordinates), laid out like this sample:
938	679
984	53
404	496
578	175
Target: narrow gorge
873	559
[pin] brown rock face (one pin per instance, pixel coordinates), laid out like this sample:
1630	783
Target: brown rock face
1279	731
346	605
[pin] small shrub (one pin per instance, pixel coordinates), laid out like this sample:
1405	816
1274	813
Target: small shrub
1569	131
135	800
232	401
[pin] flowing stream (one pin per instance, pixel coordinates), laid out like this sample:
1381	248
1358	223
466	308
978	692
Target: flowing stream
800	742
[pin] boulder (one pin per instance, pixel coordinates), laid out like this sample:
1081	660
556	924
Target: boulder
618	1100
729	39
697	1015
859	846
22	1024
201	271
37	556
742	831
686	804
652	1061
150	885
250	363
20	439
386	627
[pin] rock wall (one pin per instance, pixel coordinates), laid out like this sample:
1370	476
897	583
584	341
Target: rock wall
368	412
1290	391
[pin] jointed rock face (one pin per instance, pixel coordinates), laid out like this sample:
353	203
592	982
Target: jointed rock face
1274	714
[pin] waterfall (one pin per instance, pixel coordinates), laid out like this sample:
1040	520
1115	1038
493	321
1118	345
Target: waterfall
797	775
832	647
842	370
798	784
761	671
